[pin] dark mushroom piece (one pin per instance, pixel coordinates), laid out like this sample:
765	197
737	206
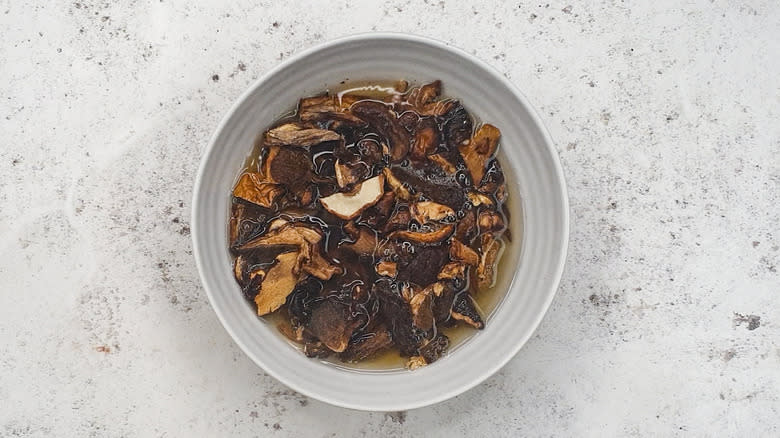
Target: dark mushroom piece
293	134
382	118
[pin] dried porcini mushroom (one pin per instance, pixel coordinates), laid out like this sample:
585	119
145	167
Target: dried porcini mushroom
486	271
462	253
277	284
348	205
387	268
424	237
252	188
293	134
479	150
371	222
427	211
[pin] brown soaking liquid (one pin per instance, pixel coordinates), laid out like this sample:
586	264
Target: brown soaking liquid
487	301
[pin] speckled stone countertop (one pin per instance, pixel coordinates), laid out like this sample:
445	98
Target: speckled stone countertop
667	321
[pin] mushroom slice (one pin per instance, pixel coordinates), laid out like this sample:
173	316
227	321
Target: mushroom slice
398	220
422	310
479	150
387	268
331	324
467	227
486	271
252	188
490	221
326	108
277	284
426	139
292	134
409	290
316	265
464	309
348	174
428	238
415	362
477	199
427	211
368	345
452	271
462	253
398	187
365	240
435	348
443	163
285	235
382	118
349	205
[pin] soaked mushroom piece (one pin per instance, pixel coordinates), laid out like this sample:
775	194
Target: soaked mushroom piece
490	221
348	174
479	150
486	271
478	199
327	108
387	268
464	309
462	253
252	188
277	284
453	271
424	237
398	187
293	134
427	211
332	324
382	118
422	310
426	139
349	205
368	345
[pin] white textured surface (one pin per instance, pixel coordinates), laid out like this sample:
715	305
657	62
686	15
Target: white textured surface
665	118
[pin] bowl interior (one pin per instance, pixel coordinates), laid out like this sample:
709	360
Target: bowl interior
534	180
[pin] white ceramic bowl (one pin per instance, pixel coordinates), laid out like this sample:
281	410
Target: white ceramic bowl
535	181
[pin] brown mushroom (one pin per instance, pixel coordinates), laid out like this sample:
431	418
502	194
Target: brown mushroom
428	211
477	199
398	187
332	324
350	173
364	240
387	268
466	228
479	150
349	205
422	310
398	220
426	139
452	271
290	167
443	162
382	118
326	108
427	238
462	253
464	309
415	362
293	134
252	187
277	284
490	221
368	345
486	271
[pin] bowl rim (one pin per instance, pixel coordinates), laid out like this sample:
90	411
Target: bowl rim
562	250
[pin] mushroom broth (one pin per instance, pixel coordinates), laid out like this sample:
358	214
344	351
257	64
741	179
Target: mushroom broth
358	228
